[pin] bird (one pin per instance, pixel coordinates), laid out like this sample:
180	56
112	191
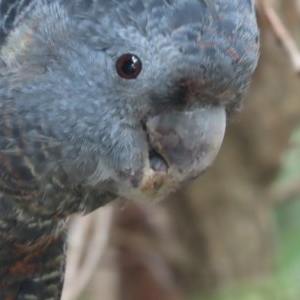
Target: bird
102	100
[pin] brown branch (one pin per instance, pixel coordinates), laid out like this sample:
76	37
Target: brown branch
281	32
88	237
297	6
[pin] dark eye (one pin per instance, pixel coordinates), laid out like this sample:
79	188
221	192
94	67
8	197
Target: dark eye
129	66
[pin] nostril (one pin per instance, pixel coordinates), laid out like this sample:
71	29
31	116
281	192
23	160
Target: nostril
192	85
189	88
157	163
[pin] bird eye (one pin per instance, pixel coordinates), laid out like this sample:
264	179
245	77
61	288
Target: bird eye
129	66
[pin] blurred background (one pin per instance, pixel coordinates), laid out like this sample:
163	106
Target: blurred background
232	234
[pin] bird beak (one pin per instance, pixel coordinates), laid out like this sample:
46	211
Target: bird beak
183	145
188	141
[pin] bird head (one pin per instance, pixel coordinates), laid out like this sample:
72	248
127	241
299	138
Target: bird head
130	97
